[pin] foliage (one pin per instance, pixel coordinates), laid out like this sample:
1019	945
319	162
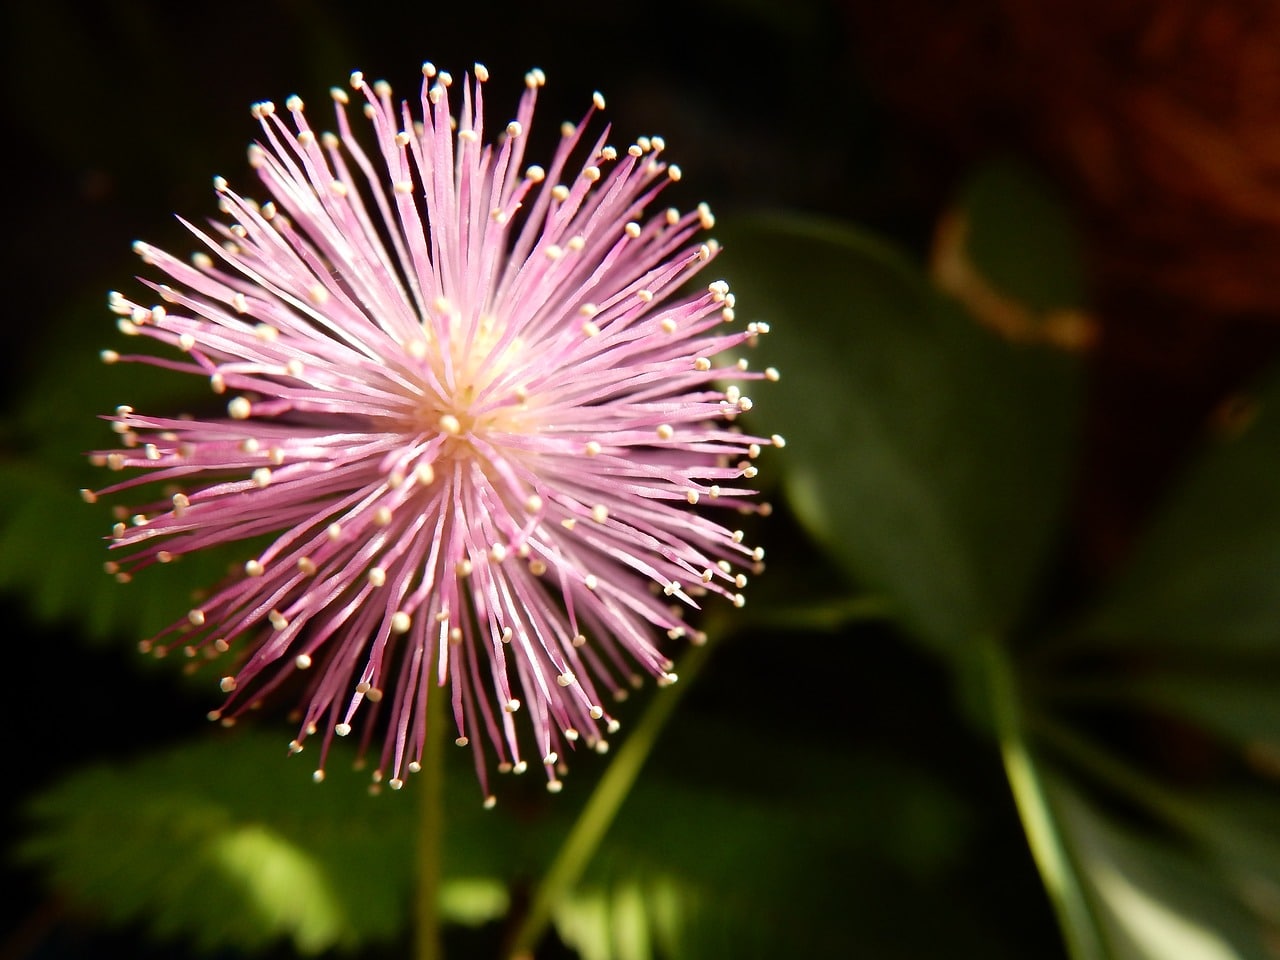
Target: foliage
916	681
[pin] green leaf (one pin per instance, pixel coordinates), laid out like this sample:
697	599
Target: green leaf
228	844
1229	837
52	550
1154	899
632	919
1206	576
52	544
819	859
1235	704
926	455
1020	237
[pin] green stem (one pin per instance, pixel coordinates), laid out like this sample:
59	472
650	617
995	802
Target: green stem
1079	929
602	807
427	943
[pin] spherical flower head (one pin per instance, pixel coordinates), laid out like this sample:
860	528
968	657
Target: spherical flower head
471	407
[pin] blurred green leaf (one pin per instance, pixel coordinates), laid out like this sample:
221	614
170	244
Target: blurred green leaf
1206	576
1191	628
1228	836
69	391
817	859
52	544
634	919
1155	900
1240	830
1020	237
1060	874
928	456
52	550
226	843
1230	702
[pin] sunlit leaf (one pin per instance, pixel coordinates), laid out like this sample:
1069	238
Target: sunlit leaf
474	900
1155	900
226	843
628	920
1024	770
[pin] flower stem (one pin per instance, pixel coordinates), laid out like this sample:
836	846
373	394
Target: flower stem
1079	928
427	943
602	807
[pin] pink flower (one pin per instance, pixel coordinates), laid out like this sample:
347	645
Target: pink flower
470	414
